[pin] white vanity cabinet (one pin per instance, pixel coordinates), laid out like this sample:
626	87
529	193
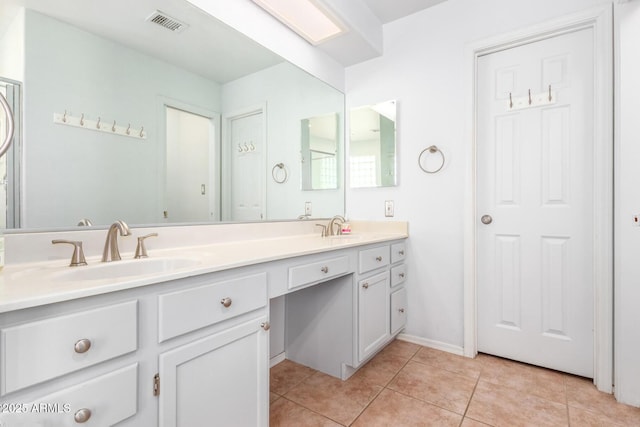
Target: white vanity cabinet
86	344
373	314
193	350
398	291
186	352
221	379
381	297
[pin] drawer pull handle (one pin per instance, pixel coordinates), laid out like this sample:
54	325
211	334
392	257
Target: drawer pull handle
82	346
226	302
325	269
401	252
82	415
365	285
401	310
401	275
378	258
265	325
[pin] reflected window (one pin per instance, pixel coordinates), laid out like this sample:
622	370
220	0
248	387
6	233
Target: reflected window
319	152
363	171
373	137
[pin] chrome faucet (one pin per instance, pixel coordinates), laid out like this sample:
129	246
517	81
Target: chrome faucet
111	252
336	220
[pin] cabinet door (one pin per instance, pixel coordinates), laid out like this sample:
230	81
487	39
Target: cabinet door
220	380
373	314
398	310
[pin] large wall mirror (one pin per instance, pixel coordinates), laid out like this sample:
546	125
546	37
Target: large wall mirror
372	145
124	118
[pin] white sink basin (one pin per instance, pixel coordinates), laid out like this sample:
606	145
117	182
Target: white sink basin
125	268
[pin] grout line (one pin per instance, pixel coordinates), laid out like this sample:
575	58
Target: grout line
315	412
464	415
566	399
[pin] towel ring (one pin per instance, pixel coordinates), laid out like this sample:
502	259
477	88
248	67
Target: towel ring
433	149
274	173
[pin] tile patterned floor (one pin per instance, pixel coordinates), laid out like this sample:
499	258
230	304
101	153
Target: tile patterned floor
410	385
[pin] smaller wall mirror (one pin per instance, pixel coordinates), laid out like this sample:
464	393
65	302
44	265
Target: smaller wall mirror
319	152
372	151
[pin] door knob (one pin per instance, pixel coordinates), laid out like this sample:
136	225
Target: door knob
486	219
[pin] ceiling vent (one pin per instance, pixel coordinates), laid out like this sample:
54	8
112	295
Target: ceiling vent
167	22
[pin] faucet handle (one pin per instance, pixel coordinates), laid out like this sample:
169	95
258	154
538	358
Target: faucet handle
324	229
141	250
77	259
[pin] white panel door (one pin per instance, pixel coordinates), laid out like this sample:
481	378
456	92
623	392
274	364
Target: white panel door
535	186
247	186
191	167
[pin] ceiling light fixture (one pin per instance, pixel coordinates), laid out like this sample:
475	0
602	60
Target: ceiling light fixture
309	18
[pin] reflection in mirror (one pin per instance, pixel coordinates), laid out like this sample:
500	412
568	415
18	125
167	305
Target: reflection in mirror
113	67
372	146
319	152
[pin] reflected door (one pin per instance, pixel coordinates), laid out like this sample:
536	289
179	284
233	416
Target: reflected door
535	204
191	160
247	171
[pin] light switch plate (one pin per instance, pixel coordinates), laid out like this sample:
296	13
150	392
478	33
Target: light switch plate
307	208
388	208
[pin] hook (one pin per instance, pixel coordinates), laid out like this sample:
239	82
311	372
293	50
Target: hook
530	101
239	148
510	101
82	120
64	117
251	146
113	128
128	131
549	92
245	148
141	131
98	123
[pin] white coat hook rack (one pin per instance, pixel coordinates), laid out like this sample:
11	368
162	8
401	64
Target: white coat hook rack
98	125
531	100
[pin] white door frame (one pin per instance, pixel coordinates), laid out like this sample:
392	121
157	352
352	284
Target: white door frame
600	20
226	156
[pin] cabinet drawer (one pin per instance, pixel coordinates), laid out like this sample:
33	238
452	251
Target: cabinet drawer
39	351
317	271
398	252
370	259
190	309
398	275
398	310
103	401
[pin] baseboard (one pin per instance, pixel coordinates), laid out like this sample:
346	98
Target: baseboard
438	345
277	359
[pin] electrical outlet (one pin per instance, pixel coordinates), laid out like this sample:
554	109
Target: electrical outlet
307	208
388	208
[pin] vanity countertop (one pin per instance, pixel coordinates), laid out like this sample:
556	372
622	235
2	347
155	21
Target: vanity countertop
31	284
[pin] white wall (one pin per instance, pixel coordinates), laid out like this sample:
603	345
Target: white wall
627	290
424	68
290	96
93	174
